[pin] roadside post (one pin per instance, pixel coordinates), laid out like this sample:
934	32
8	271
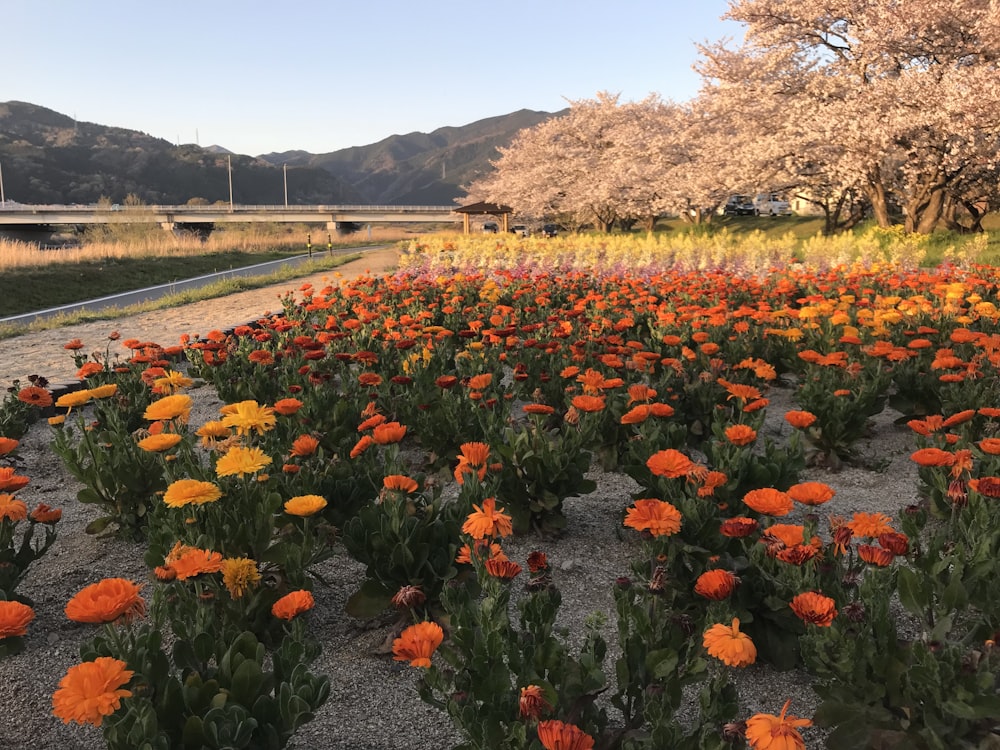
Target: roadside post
309	245
329	244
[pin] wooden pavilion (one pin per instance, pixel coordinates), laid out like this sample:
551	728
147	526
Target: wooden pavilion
485	209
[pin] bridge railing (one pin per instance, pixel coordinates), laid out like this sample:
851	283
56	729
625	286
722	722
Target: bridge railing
236	208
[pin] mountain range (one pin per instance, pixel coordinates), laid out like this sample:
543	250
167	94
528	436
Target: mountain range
49	157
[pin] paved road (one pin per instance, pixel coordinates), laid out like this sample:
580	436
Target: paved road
125	299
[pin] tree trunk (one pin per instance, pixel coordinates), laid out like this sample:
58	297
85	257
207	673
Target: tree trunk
874	190
923	212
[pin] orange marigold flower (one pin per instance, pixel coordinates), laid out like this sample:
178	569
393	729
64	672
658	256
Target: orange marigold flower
505	570
478	382
873	555
811	493
493	550
92	690
487	520
990	446
741	434
814	608
35	396
669	463
372	422
729	645
14	619
164	441
45	514
417	643
556	735
532	703
12	509
871	525
740	391
304	445
543	409
400	483
712	480
194	562
932	457
716	584
637	414
587	403
389	432
738	527
770	732
292	604
986	486
638	393
661	410
472	459
89	369
11	481
800	419
106	601
362	445
769	501
73	344
7	445
658	517
286	407
177	406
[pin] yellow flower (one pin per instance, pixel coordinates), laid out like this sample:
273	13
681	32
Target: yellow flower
249	416
190	491
239	574
305	505
172	382
210	432
73	399
169	407
104	391
240	460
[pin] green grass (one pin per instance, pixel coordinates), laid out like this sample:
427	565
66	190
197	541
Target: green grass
24	290
217	289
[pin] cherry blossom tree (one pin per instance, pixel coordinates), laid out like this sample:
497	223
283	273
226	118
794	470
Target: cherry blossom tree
896	101
603	163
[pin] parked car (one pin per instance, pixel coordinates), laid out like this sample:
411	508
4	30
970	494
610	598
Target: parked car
550	230
520	230
739	205
771	204
491	227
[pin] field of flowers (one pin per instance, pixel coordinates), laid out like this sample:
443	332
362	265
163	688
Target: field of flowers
419	420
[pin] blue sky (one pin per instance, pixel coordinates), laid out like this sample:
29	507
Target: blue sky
259	77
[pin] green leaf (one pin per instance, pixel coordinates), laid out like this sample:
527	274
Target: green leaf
99	524
911	594
369	601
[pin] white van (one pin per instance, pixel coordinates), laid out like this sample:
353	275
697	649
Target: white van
771	204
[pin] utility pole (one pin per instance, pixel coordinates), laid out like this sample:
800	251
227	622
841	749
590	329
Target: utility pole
229	159
2	198
284	170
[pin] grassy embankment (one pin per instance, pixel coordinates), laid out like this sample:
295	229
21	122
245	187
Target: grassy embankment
32	278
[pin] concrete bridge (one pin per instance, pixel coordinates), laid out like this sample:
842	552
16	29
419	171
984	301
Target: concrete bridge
15	217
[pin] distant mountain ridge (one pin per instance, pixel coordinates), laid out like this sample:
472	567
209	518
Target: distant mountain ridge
48	157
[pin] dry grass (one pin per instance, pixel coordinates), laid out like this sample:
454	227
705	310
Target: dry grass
157	243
